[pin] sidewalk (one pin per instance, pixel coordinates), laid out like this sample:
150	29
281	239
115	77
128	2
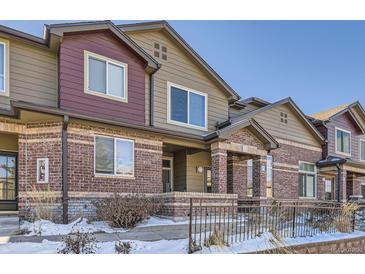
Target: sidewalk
149	233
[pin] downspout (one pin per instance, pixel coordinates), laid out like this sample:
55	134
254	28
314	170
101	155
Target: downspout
152	95
64	170
338	183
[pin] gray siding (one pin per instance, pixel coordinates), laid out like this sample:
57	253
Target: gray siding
33	75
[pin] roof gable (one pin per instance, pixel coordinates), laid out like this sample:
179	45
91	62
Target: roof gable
163	25
292	107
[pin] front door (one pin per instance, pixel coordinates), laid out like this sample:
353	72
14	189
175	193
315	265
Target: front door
8	182
328	189
167	178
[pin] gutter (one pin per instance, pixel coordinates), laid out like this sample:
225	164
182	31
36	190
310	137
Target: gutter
64	170
338	183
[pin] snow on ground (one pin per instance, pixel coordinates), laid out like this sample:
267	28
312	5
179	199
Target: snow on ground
44	227
175	246
138	247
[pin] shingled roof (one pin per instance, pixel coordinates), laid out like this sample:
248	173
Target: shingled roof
327	114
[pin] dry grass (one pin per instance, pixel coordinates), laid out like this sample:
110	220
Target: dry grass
216	239
42	203
278	245
344	222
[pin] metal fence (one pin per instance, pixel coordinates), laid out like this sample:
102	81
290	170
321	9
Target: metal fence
233	223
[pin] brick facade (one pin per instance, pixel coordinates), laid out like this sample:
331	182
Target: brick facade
219	171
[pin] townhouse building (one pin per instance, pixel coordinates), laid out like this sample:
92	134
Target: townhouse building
92	109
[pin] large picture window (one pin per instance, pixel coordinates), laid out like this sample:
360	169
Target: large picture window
3	68
105	77
114	156
307	180
187	107
343	141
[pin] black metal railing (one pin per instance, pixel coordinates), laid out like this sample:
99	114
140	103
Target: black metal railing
232	223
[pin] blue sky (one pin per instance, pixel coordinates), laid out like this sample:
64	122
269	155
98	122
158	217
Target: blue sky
319	64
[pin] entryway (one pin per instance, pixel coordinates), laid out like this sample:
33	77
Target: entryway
8	182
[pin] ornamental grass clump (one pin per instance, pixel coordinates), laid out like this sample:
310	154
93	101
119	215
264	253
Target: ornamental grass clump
127	211
216	239
344	222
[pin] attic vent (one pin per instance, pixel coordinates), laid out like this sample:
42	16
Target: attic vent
160	51
283	117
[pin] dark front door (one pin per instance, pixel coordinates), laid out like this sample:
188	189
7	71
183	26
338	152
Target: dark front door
8	182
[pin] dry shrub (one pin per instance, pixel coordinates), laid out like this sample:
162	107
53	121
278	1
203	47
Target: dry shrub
216	239
345	220
78	243
123	247
42	203
126	211
278	245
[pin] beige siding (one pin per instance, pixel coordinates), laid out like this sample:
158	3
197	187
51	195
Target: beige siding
237	112
359	115
183	70
195	181
295	130
33	75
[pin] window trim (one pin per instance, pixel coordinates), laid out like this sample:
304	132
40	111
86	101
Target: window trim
6	44
310	173
361	140
88	54
114	175
346	131
189	90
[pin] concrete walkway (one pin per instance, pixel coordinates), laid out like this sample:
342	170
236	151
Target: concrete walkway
9	225
150	233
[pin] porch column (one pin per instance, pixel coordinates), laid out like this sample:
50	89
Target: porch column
236	177
341	185
259	176
219	170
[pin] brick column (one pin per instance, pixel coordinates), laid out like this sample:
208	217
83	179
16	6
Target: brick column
259	176
219	170
236	176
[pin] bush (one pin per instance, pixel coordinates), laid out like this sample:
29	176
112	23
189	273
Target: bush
123	247
126	211
78	243
216	238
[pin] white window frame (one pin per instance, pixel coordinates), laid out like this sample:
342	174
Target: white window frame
310	173
346	131
5	92
361	140
87	55
115	162
188	90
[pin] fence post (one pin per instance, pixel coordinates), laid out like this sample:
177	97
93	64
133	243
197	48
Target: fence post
354	221
294	219
190	226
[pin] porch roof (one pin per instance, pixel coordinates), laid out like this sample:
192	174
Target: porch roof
347	163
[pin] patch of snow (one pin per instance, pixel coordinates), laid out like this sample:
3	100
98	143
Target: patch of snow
156	221
44	227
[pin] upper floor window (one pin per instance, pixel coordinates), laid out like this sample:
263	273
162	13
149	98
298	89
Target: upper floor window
362	150
3	68
187	107
343	141
105	77
114	156
307	180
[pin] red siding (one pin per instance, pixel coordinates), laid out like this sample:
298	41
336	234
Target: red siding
72	96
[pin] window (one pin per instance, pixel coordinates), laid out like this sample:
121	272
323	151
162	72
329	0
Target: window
160	51
328	189
343	141
114	156
307	180
269	175
3	68
362	150
249	177
187	107
105	77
